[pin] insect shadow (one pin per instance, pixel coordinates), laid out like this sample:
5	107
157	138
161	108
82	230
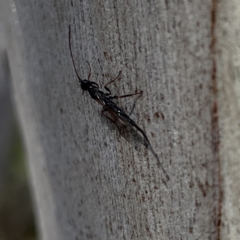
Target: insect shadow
110	109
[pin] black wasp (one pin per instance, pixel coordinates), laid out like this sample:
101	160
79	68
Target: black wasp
105	99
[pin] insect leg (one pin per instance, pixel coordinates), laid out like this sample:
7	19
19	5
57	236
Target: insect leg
105	86
130	95
134	104
127	95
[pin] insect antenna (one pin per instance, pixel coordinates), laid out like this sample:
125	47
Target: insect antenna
70	48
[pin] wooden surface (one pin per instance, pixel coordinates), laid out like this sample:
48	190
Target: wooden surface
228	65
90	181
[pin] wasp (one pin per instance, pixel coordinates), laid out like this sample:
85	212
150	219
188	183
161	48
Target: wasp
105	99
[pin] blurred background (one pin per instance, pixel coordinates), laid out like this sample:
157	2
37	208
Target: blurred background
16	212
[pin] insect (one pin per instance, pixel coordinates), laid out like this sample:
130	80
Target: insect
105	99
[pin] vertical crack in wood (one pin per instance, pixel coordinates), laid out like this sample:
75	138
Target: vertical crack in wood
215	125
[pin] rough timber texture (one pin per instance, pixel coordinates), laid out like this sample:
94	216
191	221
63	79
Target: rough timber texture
90	181
228	75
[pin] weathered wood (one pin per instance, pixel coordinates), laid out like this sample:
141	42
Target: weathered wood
228	75
90	181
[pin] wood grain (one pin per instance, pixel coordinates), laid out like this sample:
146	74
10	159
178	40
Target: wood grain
91	181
